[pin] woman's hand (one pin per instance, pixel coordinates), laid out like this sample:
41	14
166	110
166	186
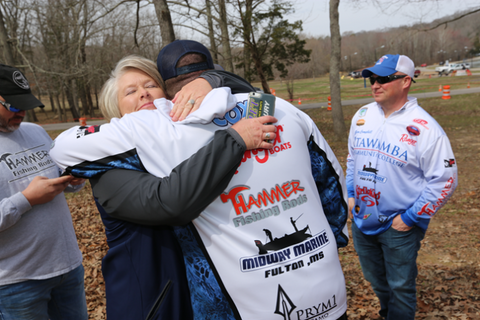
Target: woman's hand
255	133
189	98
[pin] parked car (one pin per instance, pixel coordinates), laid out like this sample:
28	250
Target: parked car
423	65
449	68
416	73
355	74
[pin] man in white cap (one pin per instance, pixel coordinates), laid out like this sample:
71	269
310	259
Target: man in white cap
400	171
41	272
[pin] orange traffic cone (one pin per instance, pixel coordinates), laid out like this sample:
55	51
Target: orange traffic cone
468	85
429	76
446	92
299	101
329	103
440	88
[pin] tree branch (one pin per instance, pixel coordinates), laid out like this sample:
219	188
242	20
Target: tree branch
451	20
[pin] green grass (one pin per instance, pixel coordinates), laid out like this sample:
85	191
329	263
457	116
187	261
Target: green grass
318	90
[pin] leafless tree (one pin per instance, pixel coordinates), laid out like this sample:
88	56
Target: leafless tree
165	21
335	56
7	53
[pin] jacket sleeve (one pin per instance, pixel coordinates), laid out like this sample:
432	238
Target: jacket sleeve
11	210
330	181
142	198
351	162
440	172
87	151
218	78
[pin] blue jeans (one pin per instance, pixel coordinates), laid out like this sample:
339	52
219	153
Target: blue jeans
61	297
389	263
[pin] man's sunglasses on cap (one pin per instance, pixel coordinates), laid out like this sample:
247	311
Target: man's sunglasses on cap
9	107
387	79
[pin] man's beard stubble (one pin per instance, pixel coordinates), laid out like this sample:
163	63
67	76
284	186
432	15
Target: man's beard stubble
5	127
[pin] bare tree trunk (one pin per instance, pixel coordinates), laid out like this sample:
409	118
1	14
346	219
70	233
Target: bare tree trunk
335	57
247	31
290	88
227	51
31	116
7	50
71	100
83	96
96	97
165	20
89	99
60	109
211	32
52	104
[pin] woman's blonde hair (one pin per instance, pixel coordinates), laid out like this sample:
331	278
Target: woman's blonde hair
108	100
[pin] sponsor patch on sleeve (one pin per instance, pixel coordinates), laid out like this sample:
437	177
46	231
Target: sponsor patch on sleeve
86	130
449	163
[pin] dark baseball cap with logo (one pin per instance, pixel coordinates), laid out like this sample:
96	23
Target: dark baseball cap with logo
170	54
14	88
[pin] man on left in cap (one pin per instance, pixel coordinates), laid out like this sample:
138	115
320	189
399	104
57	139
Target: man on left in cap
41	272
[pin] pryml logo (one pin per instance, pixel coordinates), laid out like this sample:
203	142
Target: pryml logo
413	131
285	305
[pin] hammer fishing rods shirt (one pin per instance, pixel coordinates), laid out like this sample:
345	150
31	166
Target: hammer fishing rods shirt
264	249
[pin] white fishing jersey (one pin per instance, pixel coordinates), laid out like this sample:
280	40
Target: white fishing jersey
402	164
266	238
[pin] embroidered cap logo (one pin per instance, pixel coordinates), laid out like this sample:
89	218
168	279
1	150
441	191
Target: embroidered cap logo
20	80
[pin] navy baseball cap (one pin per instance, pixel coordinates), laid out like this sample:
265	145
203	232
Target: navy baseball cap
170	54
14	88
389	64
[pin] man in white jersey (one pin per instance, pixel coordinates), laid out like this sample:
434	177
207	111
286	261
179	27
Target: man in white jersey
400	171
236	271
41	272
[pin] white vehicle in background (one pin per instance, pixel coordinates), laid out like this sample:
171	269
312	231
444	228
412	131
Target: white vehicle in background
449	68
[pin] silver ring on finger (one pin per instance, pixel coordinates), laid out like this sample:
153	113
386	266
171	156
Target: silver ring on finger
267	136
191	101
